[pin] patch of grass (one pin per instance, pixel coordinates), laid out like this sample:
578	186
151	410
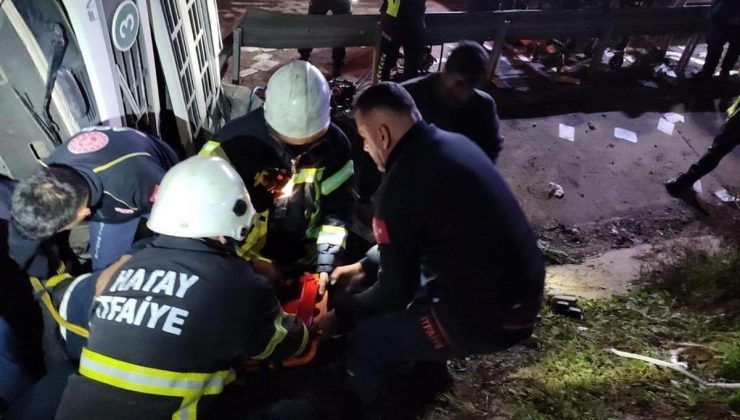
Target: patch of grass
696	277
567	372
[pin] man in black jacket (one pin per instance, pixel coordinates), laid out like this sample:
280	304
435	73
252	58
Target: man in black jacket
451	101
107	175
175	318
460	271
298	169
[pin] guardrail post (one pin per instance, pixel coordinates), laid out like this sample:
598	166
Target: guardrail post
601	43
498	46
236	56
690	47
376	53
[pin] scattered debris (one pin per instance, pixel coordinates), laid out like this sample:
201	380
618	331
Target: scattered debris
666	126
677	366
556	191
567	132
591	126
649	83
725	196
624	134
555	256
674	117
566	305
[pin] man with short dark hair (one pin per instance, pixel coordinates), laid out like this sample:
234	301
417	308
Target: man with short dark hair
460	272
452	101
106	174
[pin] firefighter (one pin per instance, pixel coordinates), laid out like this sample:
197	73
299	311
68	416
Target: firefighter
20	317
724	28
401	24
297	167
460	272
21	359
177	316
106	175
451	101
727	139
322	7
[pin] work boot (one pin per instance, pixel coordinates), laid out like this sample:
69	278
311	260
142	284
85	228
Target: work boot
724	75
682	188
702	76
678	187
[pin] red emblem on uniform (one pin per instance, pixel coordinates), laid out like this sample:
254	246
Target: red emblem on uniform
380	230
88	142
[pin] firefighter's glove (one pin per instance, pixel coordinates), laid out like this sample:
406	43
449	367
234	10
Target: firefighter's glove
272	180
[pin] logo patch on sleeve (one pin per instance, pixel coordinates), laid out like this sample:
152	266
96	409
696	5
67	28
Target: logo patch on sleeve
380	230
87	142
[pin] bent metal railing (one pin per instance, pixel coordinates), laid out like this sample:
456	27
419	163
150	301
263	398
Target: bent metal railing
264	29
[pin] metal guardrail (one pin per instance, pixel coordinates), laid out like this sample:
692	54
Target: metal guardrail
277	30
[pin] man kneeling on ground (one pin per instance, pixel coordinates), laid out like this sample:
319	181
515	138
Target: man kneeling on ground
460	272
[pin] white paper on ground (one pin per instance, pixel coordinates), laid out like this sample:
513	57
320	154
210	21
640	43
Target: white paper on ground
567	132
725	196
247	72
674	117
262	57
697	187
623	134
266	65
666	126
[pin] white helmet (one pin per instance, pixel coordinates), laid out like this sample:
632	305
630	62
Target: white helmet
202	197
297	100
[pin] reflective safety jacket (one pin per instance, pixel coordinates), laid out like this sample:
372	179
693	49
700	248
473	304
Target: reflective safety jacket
122	167
167	329
302	195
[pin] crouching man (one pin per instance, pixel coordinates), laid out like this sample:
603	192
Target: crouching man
460	272
175	317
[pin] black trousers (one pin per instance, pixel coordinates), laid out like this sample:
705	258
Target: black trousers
322	7
422	333
396	32
726	140
19	308
719	34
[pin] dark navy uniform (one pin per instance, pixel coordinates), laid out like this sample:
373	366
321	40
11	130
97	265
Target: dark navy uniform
122	168
402	23
306	229
18	310
477	119
724	28
169	327
460	271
